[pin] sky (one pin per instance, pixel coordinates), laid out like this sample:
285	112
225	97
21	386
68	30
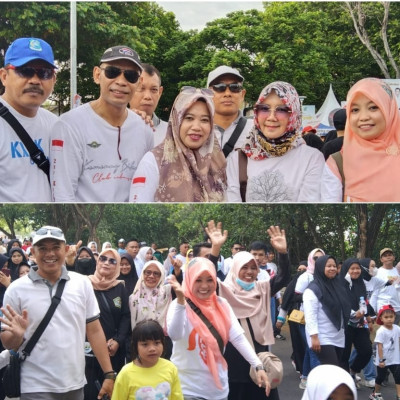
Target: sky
195	14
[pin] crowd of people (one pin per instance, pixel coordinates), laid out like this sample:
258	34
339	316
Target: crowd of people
116	149
132	324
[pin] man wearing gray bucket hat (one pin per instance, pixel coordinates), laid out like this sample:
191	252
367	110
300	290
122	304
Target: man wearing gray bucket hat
97	147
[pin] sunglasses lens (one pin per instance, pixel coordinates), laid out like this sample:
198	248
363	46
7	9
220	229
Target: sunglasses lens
112	72
220	88
29	72
53	232
235	87
131	75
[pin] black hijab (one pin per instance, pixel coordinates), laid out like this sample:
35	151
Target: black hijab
330	293
131	278
85	266
356	287
14	267
9	245
364	262
3	260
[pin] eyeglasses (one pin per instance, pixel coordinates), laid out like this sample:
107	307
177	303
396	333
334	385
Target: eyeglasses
53	231
237	248
192	89
233	87
130	75
279	112
42	73
150	273
104	259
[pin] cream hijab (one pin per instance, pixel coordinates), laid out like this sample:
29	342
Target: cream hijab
253	304
101	282
145	303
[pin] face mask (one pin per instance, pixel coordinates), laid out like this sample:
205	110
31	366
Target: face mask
245	285
85	266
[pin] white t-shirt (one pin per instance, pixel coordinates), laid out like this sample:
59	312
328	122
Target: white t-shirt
57	362
390	340
21	179
387	294
160	130
293	177
331	183
88	164
317	322
196	379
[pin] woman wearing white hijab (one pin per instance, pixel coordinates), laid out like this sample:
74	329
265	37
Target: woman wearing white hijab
330	382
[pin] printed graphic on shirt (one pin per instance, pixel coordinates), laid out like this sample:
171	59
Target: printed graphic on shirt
57	144
123	170
200	343
268	187
18	149
161	392
117	302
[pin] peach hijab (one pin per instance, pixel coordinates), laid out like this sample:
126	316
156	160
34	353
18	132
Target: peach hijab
372	167
99	281
214	308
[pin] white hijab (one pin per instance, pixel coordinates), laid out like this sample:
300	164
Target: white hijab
324	379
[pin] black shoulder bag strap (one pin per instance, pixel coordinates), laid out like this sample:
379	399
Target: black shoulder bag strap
55	301
37	155
208	324
242	174
230	144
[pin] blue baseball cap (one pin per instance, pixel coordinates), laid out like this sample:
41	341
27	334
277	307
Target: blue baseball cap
23	50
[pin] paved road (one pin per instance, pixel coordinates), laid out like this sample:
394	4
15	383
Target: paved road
289	388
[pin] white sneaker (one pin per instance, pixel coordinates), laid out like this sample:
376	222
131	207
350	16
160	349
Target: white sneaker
303	383
370	383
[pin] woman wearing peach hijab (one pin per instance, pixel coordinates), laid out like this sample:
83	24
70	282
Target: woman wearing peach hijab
114	317
371	148
197	353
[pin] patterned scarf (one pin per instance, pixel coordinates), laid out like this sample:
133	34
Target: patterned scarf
257	146
188	175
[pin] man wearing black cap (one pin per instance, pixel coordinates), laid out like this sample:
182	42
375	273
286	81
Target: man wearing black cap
28	77
55	368
97	147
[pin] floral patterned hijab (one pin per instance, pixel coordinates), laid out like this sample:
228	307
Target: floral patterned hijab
259	147
372	167
146	303
188	175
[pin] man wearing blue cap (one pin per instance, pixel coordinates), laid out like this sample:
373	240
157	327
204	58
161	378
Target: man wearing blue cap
28	77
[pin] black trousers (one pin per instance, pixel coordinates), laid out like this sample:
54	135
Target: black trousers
330	355
359	337
297	345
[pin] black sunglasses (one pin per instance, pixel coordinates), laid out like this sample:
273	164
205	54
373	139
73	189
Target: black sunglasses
233	87
112	261
42	73
130	75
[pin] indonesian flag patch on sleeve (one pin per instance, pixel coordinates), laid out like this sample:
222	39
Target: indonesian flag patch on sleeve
139	181
57	144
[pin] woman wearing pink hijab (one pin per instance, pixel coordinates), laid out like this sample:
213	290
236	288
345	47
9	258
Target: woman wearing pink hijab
371	148
197	352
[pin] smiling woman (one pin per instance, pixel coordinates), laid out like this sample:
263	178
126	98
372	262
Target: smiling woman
189	165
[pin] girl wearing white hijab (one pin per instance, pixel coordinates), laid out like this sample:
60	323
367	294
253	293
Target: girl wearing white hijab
330	382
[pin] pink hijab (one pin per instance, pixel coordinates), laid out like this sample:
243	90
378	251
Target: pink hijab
100	282
215	309
310	260
253	304
372	167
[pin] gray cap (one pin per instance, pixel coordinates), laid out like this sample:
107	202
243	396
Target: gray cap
222	70
121	53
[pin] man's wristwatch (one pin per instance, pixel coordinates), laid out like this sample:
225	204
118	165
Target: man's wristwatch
381	360
110	375
260	367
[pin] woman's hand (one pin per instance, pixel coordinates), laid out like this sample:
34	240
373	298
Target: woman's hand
5	280
278	239
315	345
71	253
113	347
215	233
262	378
177	289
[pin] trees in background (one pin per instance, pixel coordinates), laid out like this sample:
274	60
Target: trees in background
342	230
309	44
